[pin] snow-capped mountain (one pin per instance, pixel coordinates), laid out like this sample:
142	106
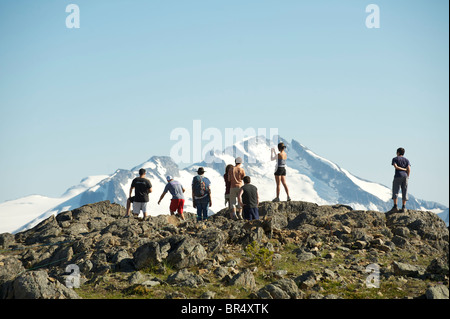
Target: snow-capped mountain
310	178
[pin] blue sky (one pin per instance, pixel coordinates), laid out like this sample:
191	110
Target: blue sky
80	102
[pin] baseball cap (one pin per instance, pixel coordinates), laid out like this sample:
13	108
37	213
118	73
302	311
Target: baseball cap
169	177
238	160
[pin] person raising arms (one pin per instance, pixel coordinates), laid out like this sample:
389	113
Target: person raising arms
280	172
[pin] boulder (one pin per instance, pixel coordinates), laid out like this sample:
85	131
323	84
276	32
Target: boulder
403	269
186	252
307	280
10	267
244	279
184	277
6	239
281	289
437	292
38	285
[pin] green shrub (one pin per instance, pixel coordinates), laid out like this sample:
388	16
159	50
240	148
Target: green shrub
261	256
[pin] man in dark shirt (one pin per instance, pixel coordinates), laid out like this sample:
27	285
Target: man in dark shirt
402	170
142	187
249	199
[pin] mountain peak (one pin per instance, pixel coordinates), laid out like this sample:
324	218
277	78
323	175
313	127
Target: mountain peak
310	177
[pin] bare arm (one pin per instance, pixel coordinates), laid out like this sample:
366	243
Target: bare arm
194	204
273	154
408	170
131	191
162	196
400	168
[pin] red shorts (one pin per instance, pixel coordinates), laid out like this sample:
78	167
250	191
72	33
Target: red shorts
177	205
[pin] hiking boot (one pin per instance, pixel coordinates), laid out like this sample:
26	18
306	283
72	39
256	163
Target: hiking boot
288	199
276	200
403	210
393	210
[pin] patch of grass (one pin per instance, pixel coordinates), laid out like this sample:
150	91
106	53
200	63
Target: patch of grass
261	256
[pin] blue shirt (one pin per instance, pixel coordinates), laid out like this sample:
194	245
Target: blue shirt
403	163
175	188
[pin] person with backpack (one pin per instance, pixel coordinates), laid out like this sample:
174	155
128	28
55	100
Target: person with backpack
235	176
177	191
201	194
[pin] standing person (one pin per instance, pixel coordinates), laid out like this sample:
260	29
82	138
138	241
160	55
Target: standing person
280	172
177	191
142	187
402	171
235	176
201	194
249	199
227	185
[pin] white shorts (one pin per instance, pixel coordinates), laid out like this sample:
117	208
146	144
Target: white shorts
138	206
234	193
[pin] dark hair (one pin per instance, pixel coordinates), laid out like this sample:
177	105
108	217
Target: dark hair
229	166
247	179
281	146
401	151
141	171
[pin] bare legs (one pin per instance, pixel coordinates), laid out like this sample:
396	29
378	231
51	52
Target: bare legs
279	179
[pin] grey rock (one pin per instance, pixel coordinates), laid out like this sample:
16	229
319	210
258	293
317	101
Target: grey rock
244	279
305	256
221	272
438	266
6	239
437	292
184	277
147	255
37	285
400	241
403	269
307	280
359	244
187	253
137	278
10	267
208	295
282	289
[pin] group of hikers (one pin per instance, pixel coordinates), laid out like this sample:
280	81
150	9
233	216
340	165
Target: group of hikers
241	195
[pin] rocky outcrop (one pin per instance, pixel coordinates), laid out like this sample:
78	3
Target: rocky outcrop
101	241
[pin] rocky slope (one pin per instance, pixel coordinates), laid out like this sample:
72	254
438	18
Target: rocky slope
296	250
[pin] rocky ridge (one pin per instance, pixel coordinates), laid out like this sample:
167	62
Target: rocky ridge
296	250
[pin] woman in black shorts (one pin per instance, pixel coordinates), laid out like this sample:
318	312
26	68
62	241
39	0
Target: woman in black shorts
280	172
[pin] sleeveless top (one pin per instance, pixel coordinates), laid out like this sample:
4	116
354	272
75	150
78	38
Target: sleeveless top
281	162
